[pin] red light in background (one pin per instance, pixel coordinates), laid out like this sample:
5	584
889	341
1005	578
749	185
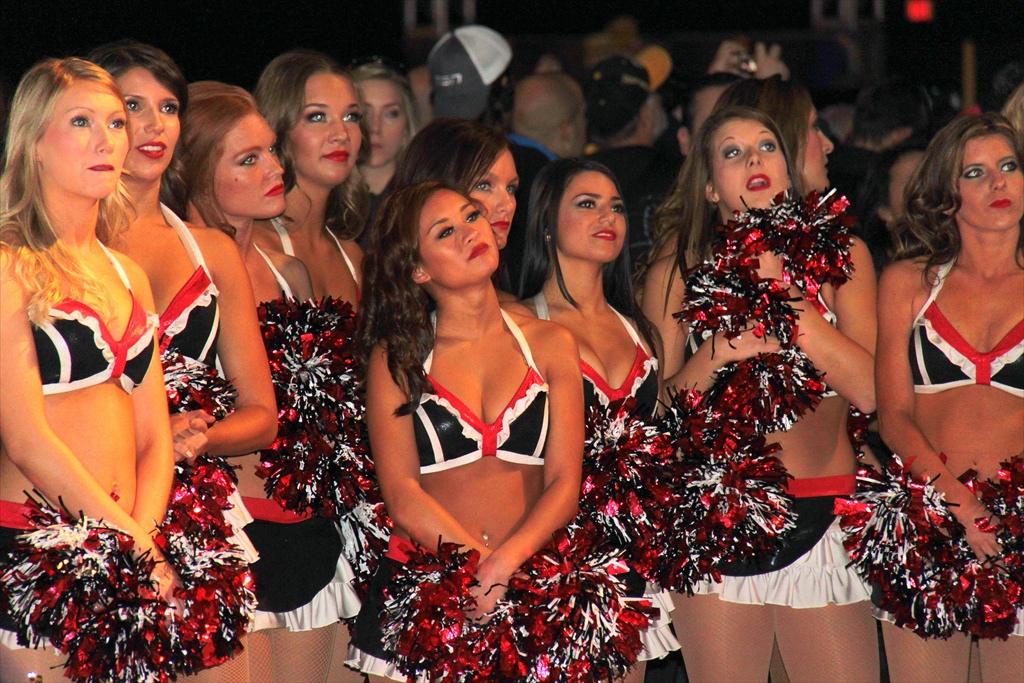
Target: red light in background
919	11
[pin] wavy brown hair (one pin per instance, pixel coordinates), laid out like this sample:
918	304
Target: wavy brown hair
686	216
927	229
455	151
280	93
216	110
395	311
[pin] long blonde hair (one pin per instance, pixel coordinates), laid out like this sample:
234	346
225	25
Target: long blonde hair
42	264
279	93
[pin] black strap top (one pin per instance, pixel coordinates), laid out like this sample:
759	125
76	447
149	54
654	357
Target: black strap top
941	359
191	322
75	348
449	434
641	382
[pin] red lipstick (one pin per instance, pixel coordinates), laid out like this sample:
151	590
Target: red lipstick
478	250
1003	203
758	181
500	226
153	150
101	167
341	156
608	235
276	190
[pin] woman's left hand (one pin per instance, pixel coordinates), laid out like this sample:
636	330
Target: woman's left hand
189	432
493	584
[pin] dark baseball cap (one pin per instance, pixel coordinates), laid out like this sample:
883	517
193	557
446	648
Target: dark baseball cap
463	65
617	88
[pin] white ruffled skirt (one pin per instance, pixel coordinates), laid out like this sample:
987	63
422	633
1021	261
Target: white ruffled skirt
820	577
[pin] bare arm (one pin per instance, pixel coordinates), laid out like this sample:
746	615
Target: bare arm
899	288
28	439
398	470
846	354
154	450
558	360
663	295
253	424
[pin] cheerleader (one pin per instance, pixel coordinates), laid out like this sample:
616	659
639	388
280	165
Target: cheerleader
313	108
83	419
477	161
208	312
483	454
950	366
576	273
804	597
302	582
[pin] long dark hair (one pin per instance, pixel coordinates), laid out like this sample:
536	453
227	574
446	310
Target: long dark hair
395	311
455	151
540	256
927	228
124	55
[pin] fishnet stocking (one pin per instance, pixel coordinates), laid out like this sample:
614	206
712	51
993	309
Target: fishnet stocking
912	658
837	643
337	672
723	641
279	655
235	670
1002	661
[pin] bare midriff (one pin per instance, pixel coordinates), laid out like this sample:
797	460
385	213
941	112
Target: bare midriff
97	424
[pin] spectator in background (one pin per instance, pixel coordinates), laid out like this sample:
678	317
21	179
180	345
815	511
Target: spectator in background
703	95
885	116
389	112
625	117
1013	110
419	83
548	115
469	72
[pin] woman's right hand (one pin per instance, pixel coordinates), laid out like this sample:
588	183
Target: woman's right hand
983	543
189	432
746	345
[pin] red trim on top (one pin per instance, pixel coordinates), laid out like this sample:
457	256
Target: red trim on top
133	330
14	515
809	487
488	432
982	361
399	548
267	510
185	297
623	390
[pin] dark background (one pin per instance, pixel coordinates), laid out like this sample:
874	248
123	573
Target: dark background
231	41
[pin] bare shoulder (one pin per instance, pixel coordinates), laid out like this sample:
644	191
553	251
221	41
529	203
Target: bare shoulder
521	308
136	275
354	252
211	240
906	276
548	340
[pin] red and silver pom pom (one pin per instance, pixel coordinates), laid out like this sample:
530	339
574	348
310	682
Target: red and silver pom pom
192	385
732	502
628	473
78	584
320	460
563	617
365	532
903	538
217	594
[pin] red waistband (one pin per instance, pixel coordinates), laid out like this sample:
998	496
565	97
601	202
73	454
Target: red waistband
14	515
267	510
809	487
399	549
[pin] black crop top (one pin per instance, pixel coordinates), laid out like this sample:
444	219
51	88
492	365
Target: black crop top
449	434
941	359
75	349
190	323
